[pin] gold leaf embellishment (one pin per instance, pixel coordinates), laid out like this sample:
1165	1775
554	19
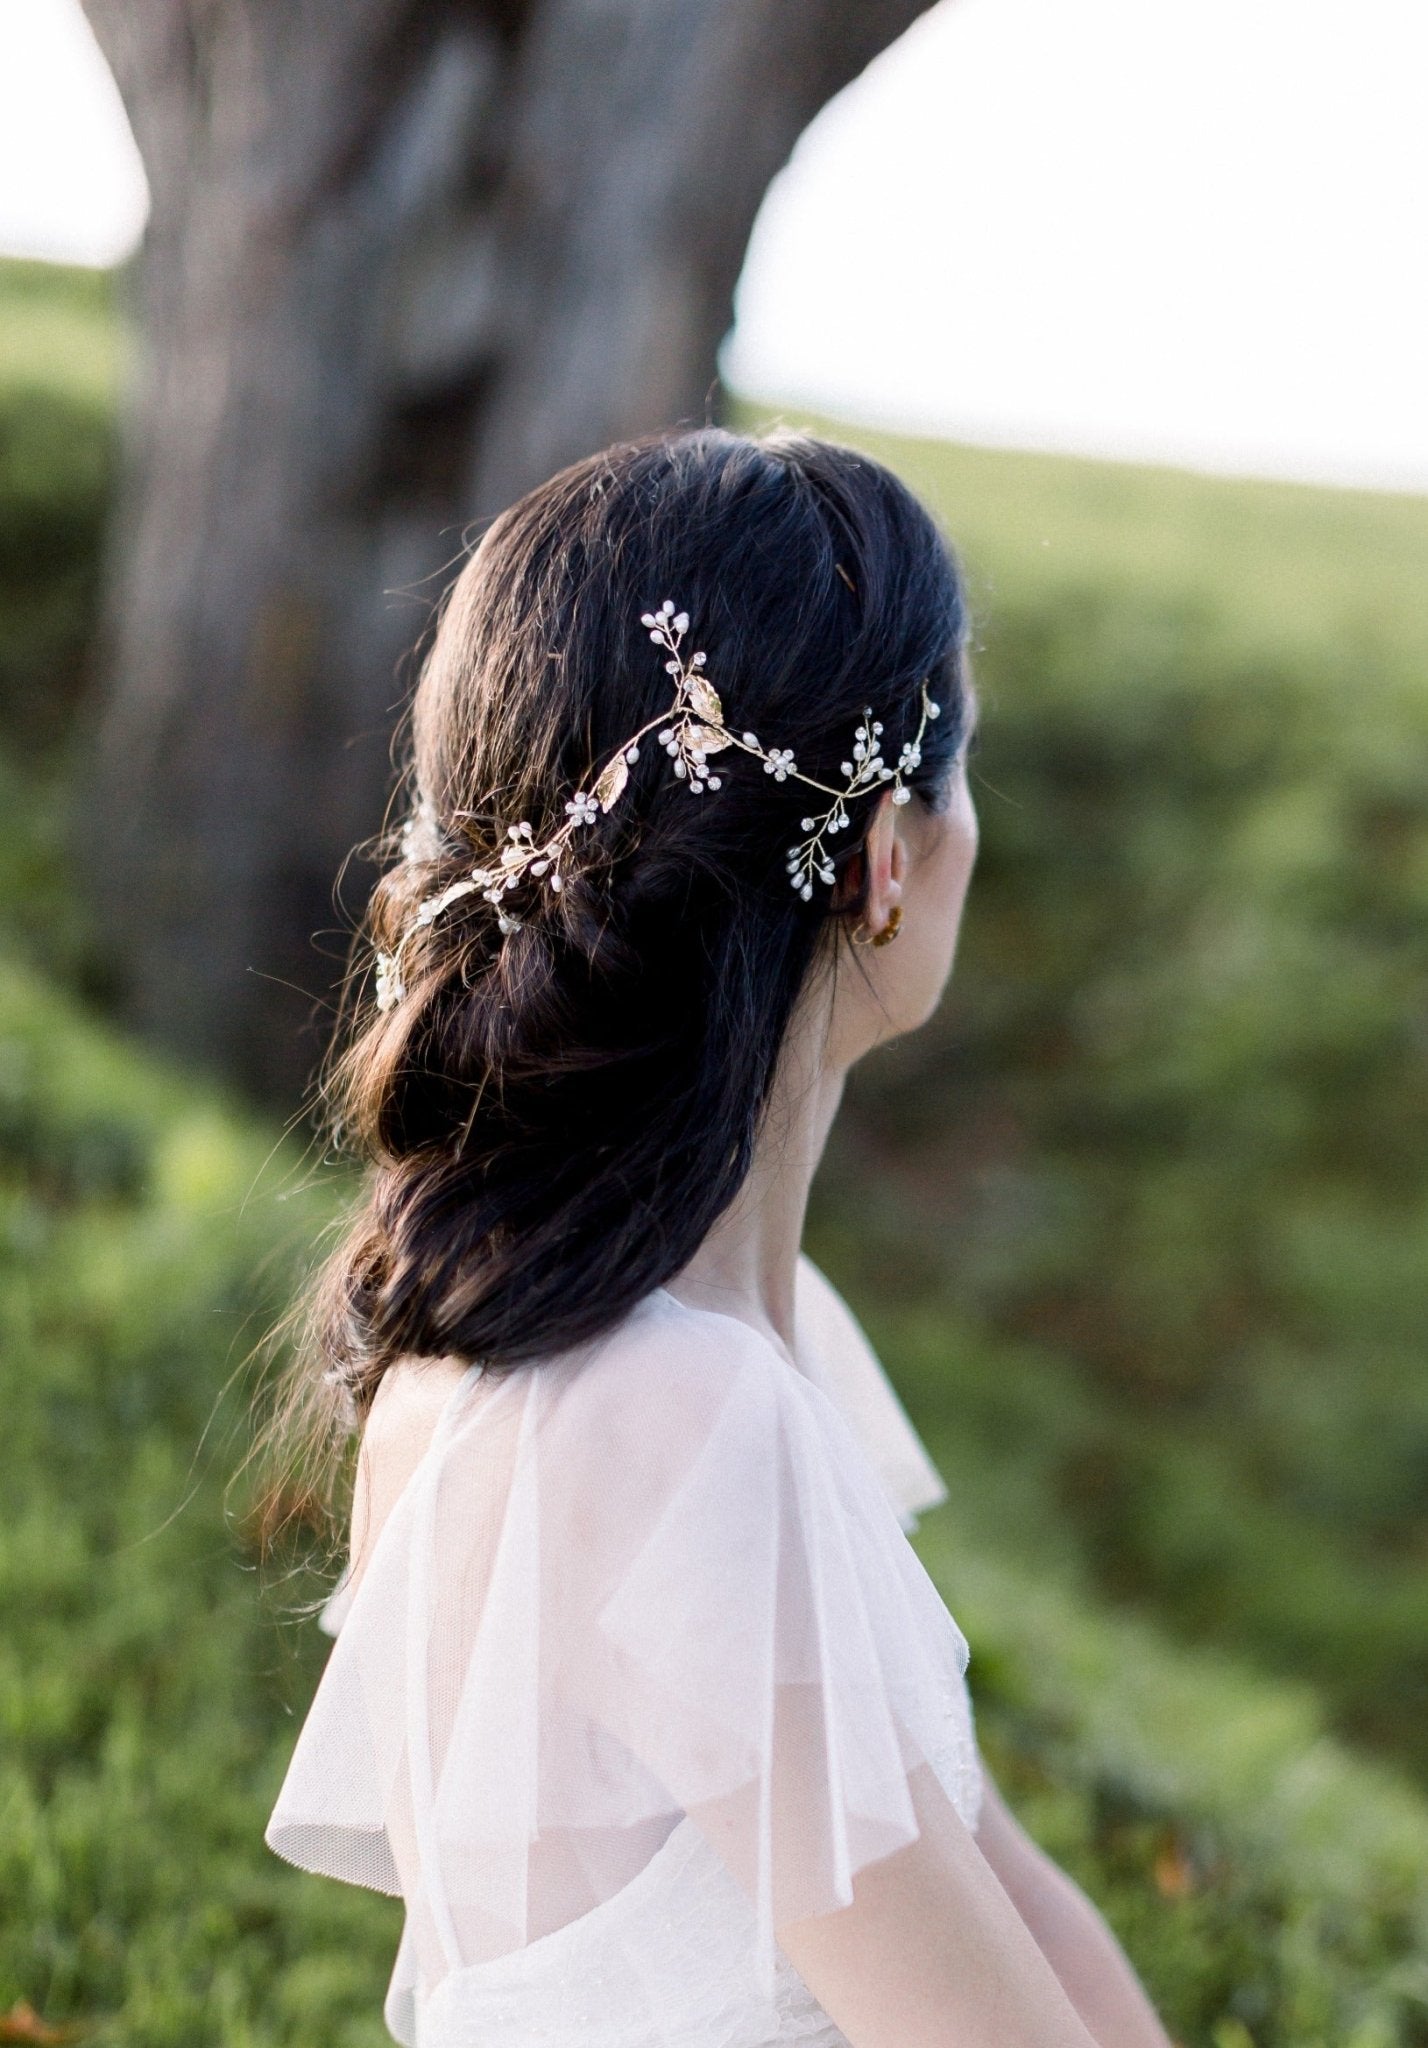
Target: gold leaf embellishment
708	740
705	699
611	782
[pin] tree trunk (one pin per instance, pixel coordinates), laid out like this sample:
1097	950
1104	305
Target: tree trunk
405	259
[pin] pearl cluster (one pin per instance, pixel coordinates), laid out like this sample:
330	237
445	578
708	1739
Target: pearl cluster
810	858
691	728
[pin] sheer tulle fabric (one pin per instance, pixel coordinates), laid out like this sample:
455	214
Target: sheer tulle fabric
647	1606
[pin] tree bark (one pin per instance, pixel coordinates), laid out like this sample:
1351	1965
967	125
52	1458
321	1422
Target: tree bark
405	259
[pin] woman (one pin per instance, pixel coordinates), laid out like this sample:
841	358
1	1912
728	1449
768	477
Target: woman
641	1699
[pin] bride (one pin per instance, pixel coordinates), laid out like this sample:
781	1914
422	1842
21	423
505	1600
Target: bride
640	1698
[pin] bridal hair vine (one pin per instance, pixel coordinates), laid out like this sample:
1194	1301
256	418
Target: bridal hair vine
691	728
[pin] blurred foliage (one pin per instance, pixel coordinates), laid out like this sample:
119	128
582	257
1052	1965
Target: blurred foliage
59	369
1270	1889
1168	1136
148	1697
1135	1224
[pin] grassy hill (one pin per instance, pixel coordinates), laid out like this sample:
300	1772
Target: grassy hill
1137	1225
1274	569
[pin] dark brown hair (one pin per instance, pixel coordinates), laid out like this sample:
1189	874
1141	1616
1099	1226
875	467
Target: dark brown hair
552	1118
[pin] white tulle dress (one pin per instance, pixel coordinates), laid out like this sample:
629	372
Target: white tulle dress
634	1674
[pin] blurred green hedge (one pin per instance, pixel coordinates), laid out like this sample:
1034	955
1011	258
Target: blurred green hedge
1168	1136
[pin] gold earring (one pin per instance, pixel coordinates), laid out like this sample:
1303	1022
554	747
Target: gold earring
890	930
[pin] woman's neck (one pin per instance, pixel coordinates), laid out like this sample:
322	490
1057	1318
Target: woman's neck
747	1265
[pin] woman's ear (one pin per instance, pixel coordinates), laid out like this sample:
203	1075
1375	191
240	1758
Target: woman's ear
886	857
883	858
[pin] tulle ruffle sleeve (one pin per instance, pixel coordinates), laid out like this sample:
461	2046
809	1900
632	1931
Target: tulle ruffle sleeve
654	1580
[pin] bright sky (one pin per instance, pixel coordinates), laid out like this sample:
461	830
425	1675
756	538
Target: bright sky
1128	228
71	184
